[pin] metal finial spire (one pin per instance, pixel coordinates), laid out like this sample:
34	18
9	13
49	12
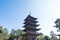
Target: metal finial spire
30	13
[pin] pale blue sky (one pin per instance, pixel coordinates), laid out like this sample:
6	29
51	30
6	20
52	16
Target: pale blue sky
13	13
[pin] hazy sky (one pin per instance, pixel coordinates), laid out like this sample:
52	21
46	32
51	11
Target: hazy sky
13	13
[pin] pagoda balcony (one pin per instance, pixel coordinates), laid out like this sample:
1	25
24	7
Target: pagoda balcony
34	33
31	24
31	29
34	22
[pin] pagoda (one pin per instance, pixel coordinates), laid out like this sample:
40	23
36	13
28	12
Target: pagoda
30	28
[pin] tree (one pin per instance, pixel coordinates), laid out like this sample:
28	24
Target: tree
41	37
57	22
16	33
1	29
47	38
3	33
1	37
19	32
53	36
13	33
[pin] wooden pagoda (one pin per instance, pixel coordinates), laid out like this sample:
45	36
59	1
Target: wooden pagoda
30	28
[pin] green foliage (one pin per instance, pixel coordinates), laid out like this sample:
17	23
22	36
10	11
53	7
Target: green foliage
16	33
0	27
4	34
23	38
19	32
47	38
12	34
41	37
57	22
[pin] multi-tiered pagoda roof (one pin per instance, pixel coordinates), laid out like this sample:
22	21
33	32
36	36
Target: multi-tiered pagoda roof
30	25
